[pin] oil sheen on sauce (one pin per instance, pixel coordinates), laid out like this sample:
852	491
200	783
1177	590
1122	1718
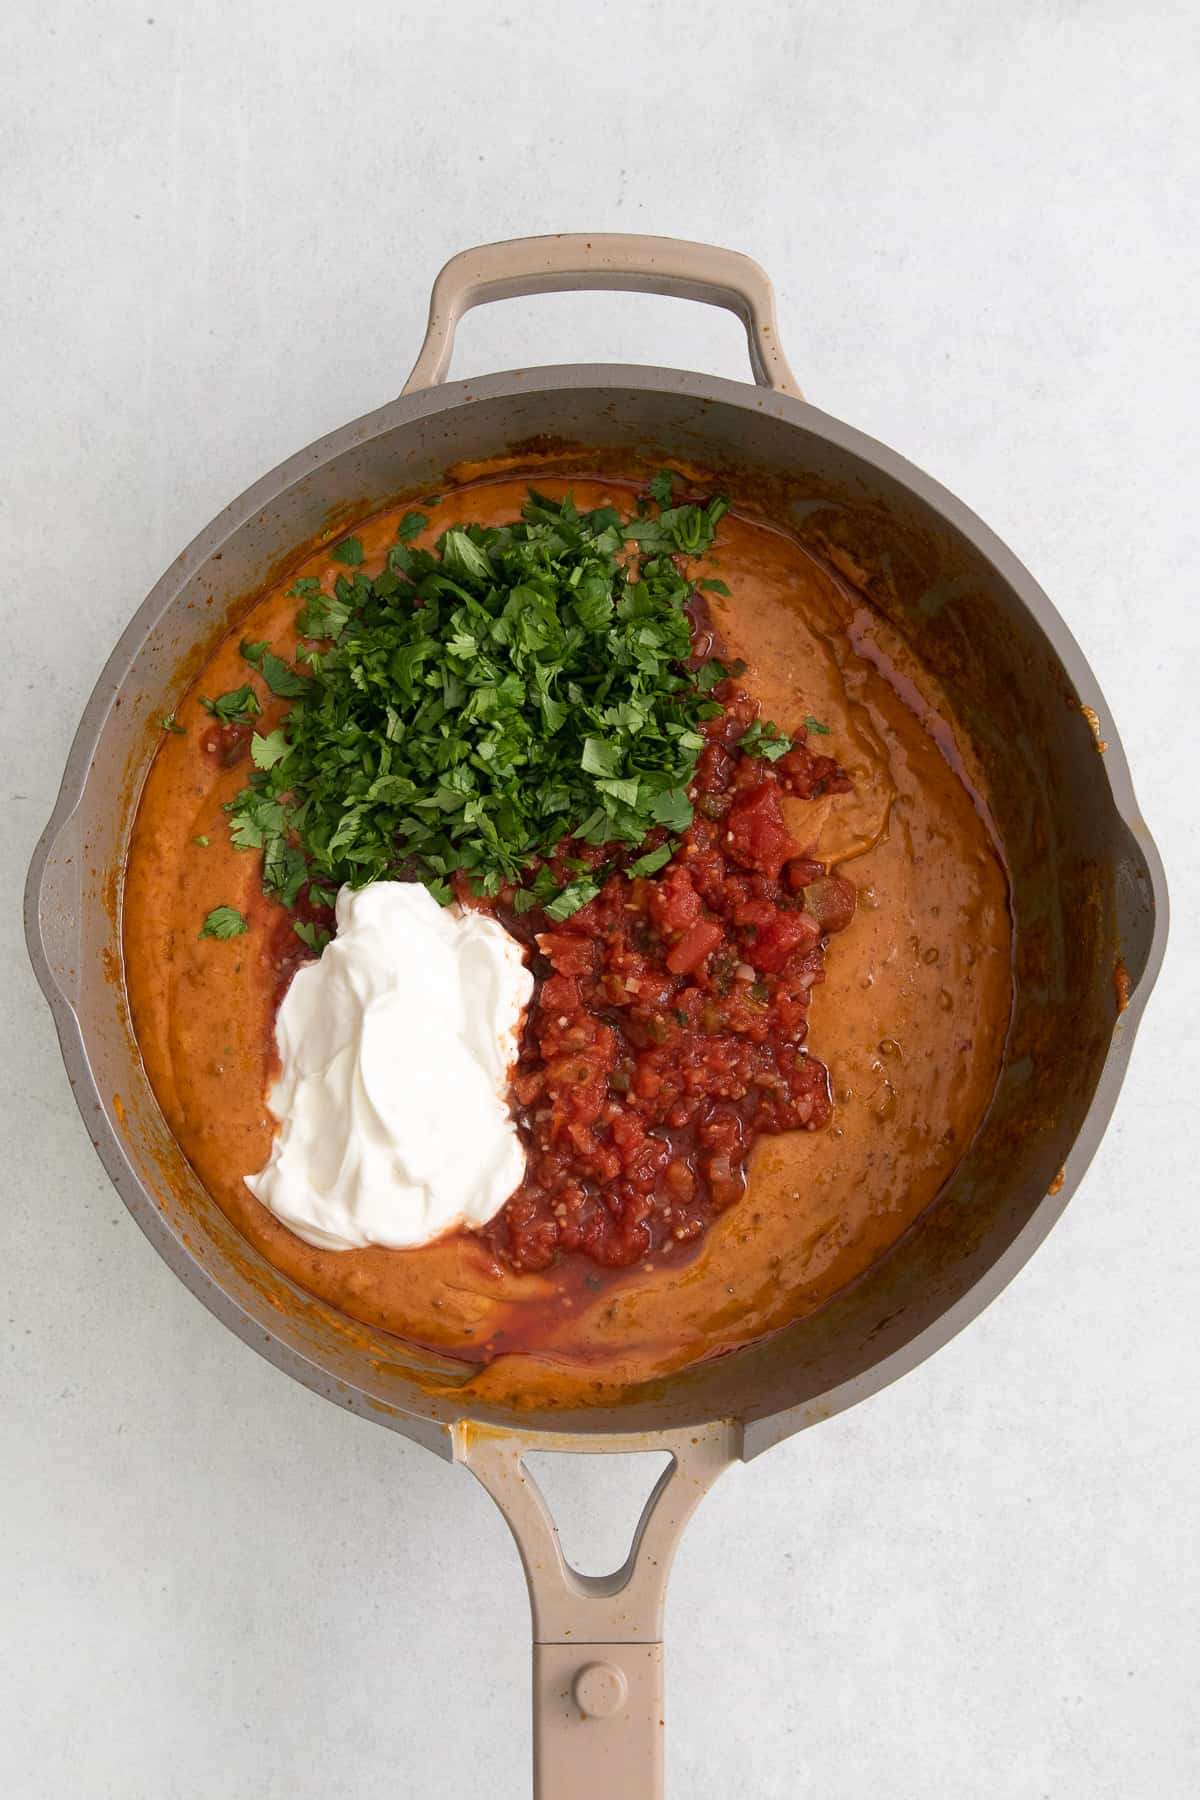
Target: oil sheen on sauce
910	1020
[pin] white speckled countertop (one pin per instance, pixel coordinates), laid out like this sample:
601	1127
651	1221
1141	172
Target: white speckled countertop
219	225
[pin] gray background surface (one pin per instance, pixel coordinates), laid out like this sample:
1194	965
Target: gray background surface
219	225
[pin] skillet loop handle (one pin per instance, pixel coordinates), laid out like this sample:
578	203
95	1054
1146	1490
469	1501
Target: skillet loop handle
574	261
53	909
597	1639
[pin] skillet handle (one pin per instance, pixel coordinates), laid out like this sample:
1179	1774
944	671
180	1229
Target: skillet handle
53	907
571	261
597	1639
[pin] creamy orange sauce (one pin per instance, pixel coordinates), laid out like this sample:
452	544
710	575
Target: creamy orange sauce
910	1020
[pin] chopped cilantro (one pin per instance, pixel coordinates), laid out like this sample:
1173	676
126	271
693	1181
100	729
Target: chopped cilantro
652	861
708	675
673	808
285	870
463	557
282	680
223	922
689	530
815	725
236	707
202	841
322	615
267	751
315	936
411	526
256	816
478	702
714	587
572	897
171	723
765	739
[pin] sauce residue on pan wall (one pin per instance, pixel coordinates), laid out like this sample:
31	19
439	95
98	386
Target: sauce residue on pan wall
910	1020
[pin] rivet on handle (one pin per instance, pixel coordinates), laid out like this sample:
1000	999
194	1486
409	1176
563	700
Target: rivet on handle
600	1690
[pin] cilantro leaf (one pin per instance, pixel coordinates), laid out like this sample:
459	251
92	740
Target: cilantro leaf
322	616
765	739
171	723
256	816
223	922
285	870
315	936
238	706
688	530
599	757
571	898
673	808
267	751
652	861
411	526
280	678
349	551
815	725
463	557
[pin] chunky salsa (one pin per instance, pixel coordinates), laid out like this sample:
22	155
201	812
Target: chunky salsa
668	1025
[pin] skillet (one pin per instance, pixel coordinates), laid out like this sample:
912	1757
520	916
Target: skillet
1087	892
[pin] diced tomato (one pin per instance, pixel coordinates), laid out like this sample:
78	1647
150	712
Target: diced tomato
694	946
569	955
628	1133
560	995
776	942
754	913
714	766
706	870
806	775
674	904
755	834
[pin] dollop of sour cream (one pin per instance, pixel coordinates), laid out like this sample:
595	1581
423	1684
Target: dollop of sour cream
396	1047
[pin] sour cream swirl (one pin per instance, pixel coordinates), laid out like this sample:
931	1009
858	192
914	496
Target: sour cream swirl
395	1050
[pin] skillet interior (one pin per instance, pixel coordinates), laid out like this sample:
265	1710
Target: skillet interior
1082	883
